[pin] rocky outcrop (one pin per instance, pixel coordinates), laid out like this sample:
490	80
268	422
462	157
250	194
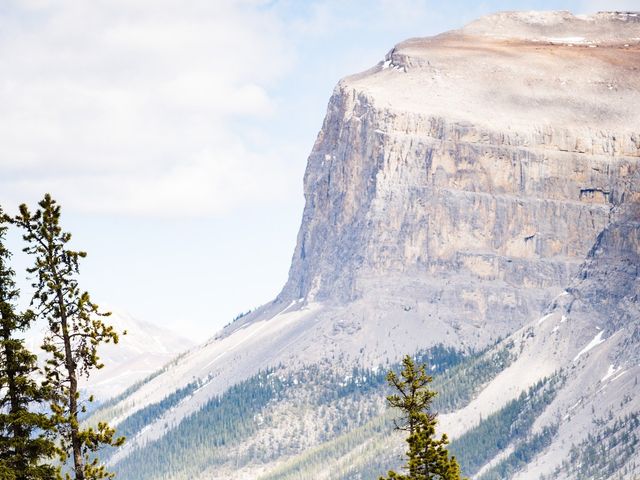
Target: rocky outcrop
480	166
592	332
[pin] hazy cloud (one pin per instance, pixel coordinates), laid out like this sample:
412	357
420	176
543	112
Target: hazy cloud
161	106
128	106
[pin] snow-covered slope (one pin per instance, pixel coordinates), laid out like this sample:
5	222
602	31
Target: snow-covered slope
142	351
477	185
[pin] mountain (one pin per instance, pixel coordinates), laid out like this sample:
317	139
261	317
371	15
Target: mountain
141	352
144	349
473	199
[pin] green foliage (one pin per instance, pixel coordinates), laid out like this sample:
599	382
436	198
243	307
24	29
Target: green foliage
607	450
458	385
427	457
75	331
110	409
349	406
508	425
360	453
373	434
138	420
522	454
204	437
25	435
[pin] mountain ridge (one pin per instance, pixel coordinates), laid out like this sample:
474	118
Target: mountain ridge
468	189
144	349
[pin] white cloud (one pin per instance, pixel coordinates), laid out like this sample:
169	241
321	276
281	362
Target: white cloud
127	106
211	182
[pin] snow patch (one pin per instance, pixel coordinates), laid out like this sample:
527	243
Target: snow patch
618	375
610	372
389	64
495	460
284	309
544	318
573	407
597	340
566	39
613	373
570	409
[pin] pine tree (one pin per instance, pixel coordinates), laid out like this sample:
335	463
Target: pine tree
76	329
427	457
25	435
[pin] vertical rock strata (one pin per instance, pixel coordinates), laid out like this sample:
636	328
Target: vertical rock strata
481	168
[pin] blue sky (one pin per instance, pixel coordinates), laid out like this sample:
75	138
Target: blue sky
175	133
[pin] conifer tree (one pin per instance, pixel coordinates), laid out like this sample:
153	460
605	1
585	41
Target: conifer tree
25	435
76	329
427	457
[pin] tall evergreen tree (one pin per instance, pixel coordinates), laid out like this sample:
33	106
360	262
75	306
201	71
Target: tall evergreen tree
427	457
76	329
25	435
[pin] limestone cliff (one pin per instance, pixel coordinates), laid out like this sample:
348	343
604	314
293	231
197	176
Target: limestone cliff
477	185
480	164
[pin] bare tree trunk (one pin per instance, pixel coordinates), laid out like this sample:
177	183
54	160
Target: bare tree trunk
70	365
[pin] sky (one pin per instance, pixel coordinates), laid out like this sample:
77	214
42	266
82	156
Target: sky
174	133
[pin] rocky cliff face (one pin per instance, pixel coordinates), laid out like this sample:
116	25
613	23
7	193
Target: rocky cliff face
479	165
599	317
476	185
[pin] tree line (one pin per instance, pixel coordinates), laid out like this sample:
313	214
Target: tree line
41	436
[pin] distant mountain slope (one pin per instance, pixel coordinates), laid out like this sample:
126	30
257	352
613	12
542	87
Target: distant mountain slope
533	405
142	351
475	186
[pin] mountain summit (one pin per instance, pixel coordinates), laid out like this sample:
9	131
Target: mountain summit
473	199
